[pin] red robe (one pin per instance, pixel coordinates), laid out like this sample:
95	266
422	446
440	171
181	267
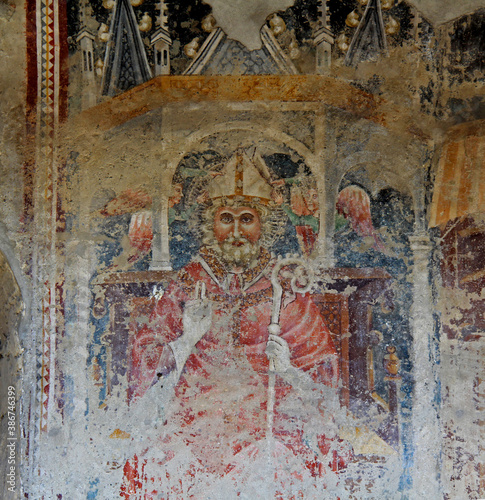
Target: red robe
220	401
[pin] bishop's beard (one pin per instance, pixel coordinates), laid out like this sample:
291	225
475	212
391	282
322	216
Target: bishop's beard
238	252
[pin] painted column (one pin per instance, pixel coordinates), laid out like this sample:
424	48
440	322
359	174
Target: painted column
161	234
425	412
160	246
325	147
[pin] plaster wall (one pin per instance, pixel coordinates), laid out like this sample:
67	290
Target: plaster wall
83	275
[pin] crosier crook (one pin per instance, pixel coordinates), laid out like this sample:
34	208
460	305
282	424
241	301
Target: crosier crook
299	275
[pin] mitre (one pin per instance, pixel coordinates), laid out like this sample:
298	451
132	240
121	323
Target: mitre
243	177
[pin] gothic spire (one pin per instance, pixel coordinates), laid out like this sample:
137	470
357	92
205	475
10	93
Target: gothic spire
323	39
125	63
162	19
161	42
369	40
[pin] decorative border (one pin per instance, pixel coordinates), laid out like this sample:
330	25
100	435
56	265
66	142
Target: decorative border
47	121
46	99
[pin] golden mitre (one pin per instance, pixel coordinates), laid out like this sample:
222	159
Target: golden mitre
243	177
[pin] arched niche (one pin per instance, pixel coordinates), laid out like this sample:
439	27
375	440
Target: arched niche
378	187
375	173
224	140
249	132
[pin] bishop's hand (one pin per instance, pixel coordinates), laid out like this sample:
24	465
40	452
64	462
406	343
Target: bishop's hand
197	319
278	354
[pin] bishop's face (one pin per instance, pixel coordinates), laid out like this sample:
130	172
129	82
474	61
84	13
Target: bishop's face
237	231
240	222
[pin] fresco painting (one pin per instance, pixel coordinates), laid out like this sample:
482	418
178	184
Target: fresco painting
242	249
223	302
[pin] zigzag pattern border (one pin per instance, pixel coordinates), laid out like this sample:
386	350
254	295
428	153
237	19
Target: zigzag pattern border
48	67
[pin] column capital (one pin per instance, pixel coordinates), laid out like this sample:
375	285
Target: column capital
420	243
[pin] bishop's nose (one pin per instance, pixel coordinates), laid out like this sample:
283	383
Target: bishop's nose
235	230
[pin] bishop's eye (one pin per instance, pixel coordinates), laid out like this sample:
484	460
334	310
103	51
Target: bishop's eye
226	218
247	218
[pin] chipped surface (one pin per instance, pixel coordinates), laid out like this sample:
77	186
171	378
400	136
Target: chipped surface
148	317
